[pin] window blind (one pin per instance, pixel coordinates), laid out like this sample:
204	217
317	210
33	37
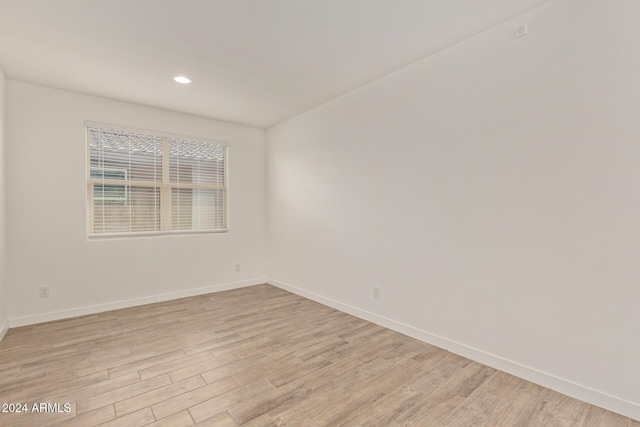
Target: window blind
140	183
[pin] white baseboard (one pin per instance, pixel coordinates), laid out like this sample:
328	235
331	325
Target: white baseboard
99	308
3	329
561	385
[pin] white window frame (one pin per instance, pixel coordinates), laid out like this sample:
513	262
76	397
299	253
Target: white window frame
165	186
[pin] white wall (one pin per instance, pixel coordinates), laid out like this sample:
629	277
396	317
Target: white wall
46	202
491	191
3	293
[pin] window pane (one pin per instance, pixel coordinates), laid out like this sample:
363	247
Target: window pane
194	168
145	209
125	155
139	212
181	209
197	209
192	162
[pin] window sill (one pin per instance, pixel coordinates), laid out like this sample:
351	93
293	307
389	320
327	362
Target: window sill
107	236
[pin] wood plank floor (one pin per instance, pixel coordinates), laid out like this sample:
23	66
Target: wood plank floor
260	356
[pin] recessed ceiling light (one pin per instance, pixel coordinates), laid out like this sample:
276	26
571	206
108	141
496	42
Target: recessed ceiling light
182	79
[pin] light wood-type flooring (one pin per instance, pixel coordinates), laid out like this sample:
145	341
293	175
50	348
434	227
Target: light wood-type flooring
260	356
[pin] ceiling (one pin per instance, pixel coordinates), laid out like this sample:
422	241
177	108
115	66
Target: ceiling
254	62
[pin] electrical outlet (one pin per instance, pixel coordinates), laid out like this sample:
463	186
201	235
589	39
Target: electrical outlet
237	267
44	292
376	292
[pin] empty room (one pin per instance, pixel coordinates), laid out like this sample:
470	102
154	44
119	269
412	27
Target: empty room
319	213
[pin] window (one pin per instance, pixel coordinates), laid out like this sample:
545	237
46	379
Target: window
138	184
